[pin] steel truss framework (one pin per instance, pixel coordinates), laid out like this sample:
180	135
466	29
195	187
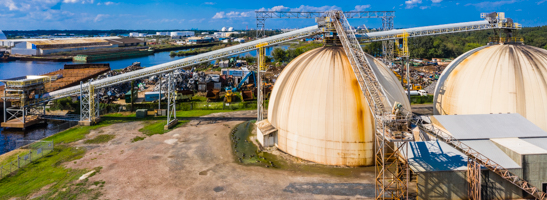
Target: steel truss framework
89	104
433	30
171	101
386	16
387	46
392	172
473	179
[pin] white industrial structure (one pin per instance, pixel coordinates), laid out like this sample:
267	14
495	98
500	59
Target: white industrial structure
134	34
223	29
346	134
511	79
162	33
231	29
182	34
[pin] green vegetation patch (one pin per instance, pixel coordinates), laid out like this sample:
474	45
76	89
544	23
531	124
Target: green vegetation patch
157	127
247	153
62	182
100	139
44	171
138	138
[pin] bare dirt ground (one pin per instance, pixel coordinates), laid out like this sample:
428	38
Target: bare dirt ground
196	162
422	109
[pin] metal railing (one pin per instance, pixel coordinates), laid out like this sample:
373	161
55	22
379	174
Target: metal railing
35	151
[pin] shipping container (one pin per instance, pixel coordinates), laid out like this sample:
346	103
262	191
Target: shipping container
153	96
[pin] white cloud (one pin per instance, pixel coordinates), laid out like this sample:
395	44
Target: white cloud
436	1
197	20
210	3
489	4
424	7
362	7
412	3
109	3
78	1
542	1
36	5
100	17
219	15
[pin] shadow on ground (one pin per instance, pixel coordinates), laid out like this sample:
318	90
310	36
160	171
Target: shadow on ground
341	189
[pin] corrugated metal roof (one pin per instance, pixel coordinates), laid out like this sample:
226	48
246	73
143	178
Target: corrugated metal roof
73	41
520	146
431	156
540	142
490	150
487	126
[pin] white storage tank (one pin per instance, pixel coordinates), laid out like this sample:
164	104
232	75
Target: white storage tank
320	112
510	78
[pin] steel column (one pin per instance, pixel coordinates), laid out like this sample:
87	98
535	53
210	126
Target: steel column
171	100
387	46
260	95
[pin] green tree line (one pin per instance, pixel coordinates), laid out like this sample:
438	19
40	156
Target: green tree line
281	55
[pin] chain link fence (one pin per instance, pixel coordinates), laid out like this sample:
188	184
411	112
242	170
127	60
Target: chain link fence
32	151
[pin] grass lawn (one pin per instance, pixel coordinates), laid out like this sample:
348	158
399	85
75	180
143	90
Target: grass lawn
62	182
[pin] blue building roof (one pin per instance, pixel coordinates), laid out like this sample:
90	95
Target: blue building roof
431	156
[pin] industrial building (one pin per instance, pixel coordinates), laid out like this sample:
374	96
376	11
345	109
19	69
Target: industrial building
511	79
510	140
45	47
181	34
200	40
126	42
162	33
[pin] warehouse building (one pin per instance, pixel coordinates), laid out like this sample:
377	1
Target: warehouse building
126	42
181	34
200	40
45	47
510	140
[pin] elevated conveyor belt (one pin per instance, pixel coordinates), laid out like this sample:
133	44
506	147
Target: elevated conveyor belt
435	30
182	63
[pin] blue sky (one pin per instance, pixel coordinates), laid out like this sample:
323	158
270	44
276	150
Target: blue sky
173	14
